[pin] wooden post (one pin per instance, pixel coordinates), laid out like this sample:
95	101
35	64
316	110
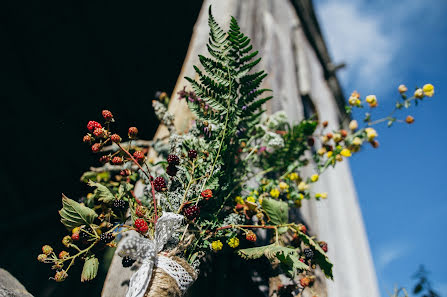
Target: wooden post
287	34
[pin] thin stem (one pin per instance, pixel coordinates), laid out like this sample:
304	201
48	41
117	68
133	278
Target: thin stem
148	176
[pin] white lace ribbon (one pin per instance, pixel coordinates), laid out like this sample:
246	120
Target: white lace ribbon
146	250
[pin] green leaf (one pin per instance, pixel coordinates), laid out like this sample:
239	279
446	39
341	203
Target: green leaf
278	211
90	269
123	189
287	256
95	176
74	214
320	256
102	192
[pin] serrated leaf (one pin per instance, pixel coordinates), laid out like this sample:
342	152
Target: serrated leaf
320	256
74	214
90	269
102	192
277	211
287	256
123	189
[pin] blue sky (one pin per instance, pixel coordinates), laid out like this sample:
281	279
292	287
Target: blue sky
401	184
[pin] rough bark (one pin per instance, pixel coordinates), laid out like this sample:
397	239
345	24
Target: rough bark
10	286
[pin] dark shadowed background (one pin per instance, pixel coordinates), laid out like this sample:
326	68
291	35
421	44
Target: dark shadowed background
61	63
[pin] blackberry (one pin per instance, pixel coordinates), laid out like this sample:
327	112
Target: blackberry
105	238
173	160
171	170
127	261
309	253
85	233
192	154
119	205
160	184
191	212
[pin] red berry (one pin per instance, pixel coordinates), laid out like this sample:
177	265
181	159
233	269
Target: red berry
139	156
87	139
207	194
117	160
115	138
140	211
192	154
125	172
160	184
304	282
302	260
92	125
104	159
323	246
191	212
63	254
343	133
141	226
173	160
107	115
133	131
302	228
250	236
98	132
75	236
96	147
329	135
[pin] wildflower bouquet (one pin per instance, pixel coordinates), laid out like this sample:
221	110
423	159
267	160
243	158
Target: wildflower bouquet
235	172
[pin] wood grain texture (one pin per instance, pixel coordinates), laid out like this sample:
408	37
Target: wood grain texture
296	62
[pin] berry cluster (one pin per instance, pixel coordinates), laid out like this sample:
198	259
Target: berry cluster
191	212
141	226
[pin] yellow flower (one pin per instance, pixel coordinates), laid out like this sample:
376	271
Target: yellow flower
260	200
324	139
370	133
321	151
302	186
354	100
419	93
353	125
293	176
429	90
239	200
233	242
274	193
300	196
371	100
216	245
337	137
321	195
283	186
314	177
402	89
251	199
345	152
255	192
357	141
329	154
297	203
339	158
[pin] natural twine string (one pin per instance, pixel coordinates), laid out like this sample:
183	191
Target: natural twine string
163	285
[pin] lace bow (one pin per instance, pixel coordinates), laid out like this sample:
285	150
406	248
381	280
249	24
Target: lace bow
146	251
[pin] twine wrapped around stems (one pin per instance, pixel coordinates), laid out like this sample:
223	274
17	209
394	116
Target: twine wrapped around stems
162	284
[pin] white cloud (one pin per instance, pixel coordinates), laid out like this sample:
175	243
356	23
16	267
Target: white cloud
389	252
356	37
